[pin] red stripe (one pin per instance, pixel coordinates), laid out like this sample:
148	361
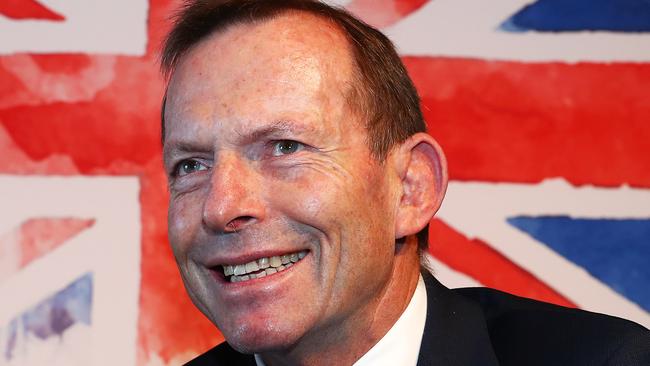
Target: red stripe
27	9
40	236
481	262
35	238
384	13
525	122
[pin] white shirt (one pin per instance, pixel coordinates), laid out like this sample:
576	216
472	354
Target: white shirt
401	344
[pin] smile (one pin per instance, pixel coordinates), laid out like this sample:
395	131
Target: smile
261	267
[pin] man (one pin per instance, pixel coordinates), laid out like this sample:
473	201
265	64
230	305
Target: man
301	185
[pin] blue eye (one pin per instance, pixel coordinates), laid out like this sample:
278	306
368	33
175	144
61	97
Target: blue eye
286	147
189	166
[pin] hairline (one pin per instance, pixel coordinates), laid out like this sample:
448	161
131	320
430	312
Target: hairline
355	88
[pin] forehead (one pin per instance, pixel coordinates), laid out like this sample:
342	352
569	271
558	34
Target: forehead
290	60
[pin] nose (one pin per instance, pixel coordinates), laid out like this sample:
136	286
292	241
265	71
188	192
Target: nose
234	200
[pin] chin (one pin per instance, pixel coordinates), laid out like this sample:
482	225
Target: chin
261	339
250	346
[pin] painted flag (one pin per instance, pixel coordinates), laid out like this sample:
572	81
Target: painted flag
541	107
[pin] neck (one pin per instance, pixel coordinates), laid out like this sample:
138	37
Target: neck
343	345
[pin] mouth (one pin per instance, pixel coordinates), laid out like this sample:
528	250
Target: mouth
261	267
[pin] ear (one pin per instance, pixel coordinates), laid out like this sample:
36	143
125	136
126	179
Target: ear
422	168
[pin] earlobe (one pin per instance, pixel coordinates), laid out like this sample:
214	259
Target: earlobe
423	172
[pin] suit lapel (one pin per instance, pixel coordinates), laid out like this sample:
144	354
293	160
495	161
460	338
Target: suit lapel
455	333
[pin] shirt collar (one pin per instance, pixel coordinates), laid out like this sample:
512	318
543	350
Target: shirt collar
401	344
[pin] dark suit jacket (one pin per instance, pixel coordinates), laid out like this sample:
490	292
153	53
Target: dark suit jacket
485	327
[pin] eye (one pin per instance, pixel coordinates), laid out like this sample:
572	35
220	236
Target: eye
286	147
189	166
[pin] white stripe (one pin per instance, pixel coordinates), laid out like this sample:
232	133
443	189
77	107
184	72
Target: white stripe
91	26
110	249
480	210
469	28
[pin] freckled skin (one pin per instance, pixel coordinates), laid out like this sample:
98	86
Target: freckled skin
331	198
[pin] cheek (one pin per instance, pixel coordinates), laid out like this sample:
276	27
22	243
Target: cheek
327	194
311	198
347	210
184	219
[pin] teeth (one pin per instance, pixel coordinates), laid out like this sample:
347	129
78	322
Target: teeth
252	267
240	270
228	270
276	262
268	266
263	263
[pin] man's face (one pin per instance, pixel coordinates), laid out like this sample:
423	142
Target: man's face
266	159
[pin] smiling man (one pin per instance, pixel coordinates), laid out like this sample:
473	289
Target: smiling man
301	185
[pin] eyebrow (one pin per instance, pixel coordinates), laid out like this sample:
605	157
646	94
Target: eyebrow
182	146
278	128
174	149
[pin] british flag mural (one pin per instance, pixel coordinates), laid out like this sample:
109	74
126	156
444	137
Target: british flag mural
543	109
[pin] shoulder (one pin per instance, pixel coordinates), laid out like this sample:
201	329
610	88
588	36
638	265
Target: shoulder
525	331
224	355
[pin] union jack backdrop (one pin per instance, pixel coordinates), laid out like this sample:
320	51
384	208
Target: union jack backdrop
542	107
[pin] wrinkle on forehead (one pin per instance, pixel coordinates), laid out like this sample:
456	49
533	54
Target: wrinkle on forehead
296	63
305	46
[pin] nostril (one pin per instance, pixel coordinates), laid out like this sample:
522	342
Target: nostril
238	223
